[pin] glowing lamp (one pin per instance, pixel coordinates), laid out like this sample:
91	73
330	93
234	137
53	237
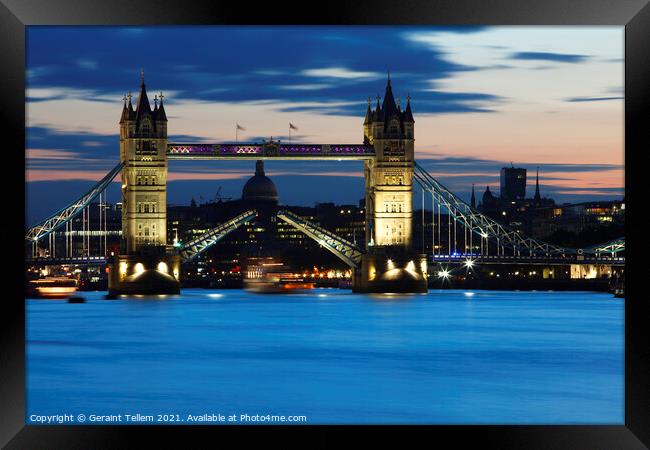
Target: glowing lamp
138	269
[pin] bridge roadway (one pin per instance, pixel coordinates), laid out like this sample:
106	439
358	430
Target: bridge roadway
75	261
271	150
528	260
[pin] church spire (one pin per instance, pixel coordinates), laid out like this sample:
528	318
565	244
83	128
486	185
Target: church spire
473	201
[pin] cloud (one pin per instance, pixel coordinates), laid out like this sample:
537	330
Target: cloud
40	153
548	56
469	95
592	99
341	72
87	64
213	64
306	87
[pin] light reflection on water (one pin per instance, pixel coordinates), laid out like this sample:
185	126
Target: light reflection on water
336	357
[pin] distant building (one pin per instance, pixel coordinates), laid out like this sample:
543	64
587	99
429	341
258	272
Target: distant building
512	208
264	236
577	217
513	183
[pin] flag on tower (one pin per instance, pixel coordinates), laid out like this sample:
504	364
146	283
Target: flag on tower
239	127
292	126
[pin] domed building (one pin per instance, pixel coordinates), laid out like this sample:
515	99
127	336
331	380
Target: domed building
259	189
259	193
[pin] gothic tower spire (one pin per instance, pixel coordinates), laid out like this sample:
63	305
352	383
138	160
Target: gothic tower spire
473	201
142	107
408	114
388	107
368	114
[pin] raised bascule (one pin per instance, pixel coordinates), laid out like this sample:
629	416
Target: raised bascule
147	264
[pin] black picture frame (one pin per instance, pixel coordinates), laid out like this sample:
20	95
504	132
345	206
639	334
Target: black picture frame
633	14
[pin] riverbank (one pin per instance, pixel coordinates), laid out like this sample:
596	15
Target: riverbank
498	284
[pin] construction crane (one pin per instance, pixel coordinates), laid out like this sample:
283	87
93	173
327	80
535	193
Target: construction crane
218	197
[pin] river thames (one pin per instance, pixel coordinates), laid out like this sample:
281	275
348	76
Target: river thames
446	357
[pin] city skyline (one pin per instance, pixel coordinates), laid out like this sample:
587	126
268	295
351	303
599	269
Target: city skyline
527	95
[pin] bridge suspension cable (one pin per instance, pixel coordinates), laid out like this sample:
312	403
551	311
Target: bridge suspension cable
613	247
343	249
482	225
193	248
63	216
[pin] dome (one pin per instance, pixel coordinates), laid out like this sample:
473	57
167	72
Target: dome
260	188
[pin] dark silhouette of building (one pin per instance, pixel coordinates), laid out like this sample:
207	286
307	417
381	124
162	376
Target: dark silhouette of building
512	208
259	189
264	236
513	183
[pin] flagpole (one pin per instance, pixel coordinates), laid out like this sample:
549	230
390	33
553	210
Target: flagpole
236	133
289	133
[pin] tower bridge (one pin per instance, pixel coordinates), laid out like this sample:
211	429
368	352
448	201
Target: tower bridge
146	263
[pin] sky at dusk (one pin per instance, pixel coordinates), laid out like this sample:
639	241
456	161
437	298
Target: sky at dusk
482	97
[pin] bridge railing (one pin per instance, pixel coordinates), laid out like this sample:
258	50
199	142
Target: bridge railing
193	248
343	249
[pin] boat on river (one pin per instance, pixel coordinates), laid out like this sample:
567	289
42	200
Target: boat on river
268	276
52	287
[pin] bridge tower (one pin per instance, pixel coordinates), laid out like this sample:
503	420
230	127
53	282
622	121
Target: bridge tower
145	258
390	264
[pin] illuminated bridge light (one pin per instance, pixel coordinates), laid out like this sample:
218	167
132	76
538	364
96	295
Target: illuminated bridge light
138	269
300	149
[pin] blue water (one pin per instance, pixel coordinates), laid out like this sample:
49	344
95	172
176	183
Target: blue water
448	357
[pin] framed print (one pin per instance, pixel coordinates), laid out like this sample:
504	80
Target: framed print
377	216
